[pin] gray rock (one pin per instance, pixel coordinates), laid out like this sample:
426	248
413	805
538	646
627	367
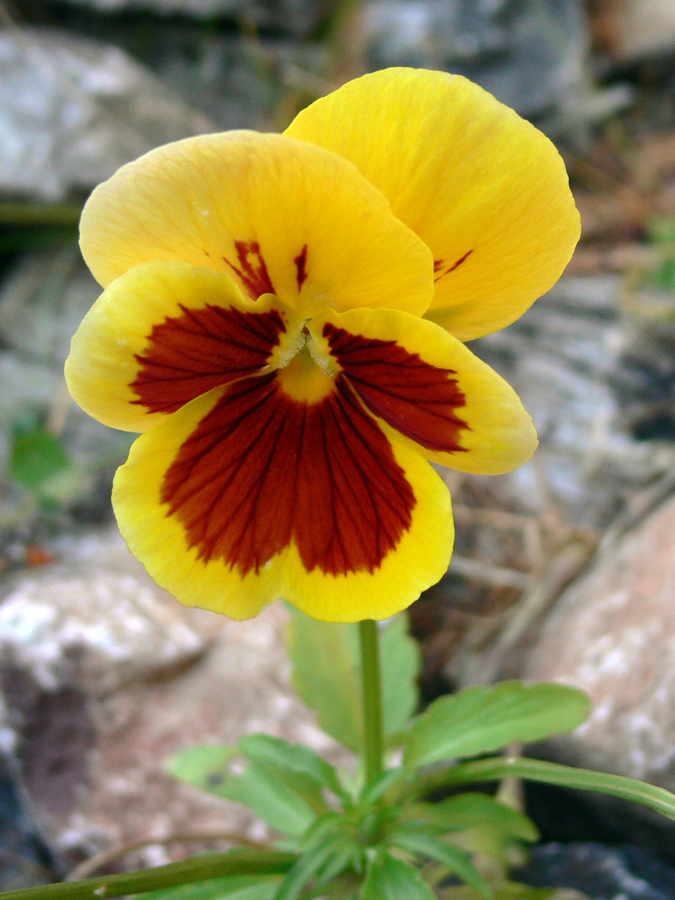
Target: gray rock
529	55
72	111
104	676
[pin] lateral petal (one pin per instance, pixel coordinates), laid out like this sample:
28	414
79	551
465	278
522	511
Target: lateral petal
164	333
245	495
279	215
482	187
429	387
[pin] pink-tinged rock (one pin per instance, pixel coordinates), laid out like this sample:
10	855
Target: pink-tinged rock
613	635
104	676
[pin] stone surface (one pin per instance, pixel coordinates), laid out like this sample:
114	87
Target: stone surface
42	301
529	55
104	676
601	873
613	635
72	111
297	17
634	29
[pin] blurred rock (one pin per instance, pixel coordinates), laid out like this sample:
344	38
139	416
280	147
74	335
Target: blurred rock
42	301
530	55
105	675
577	365
72	111
297	17
602	873
613	635
634	29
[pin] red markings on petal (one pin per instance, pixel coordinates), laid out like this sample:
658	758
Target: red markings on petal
300	267
416	398
439	263
190	354
262	470
251	270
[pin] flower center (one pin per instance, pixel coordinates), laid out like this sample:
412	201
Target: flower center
303	378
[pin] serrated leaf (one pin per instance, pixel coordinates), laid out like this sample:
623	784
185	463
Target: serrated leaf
464	811
334	691
393	879
297	759
420	843
240	887
482	719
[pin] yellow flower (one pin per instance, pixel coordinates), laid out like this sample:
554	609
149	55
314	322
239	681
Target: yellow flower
270	322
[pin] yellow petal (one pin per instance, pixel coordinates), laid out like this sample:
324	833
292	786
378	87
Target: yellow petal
427	385
246	495
482	187
279	215
165	333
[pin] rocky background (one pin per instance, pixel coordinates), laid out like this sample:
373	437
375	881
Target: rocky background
564	570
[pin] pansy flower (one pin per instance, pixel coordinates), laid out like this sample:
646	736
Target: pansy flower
283	319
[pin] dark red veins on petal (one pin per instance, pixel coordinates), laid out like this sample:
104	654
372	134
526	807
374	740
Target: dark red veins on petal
190	354
251	270
262	469
416	398
301	267
439	264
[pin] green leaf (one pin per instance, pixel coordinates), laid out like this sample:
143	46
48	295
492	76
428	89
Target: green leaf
464	811
334	691
242	887
392	879
297	759
400	663
269	796
37	457
481	719
656	798
375	789
420	843
325	675
307	867
205	766
271	799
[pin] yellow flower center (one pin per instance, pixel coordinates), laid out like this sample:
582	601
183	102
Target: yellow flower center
304	379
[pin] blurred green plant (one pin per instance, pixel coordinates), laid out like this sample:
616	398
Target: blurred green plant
41	465
661	234
354	834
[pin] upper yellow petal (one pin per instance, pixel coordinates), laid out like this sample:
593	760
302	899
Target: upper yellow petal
279	215
482	187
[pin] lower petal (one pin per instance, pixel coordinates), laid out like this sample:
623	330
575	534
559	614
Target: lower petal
246	495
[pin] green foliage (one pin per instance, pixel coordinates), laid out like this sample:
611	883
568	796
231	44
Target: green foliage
242	887
661	233
483	719
40	464
389	878
333	690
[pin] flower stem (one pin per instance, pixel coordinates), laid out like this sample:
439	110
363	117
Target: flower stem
373	743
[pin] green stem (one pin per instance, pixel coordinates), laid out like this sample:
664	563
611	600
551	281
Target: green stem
498	767
199	868
373	742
